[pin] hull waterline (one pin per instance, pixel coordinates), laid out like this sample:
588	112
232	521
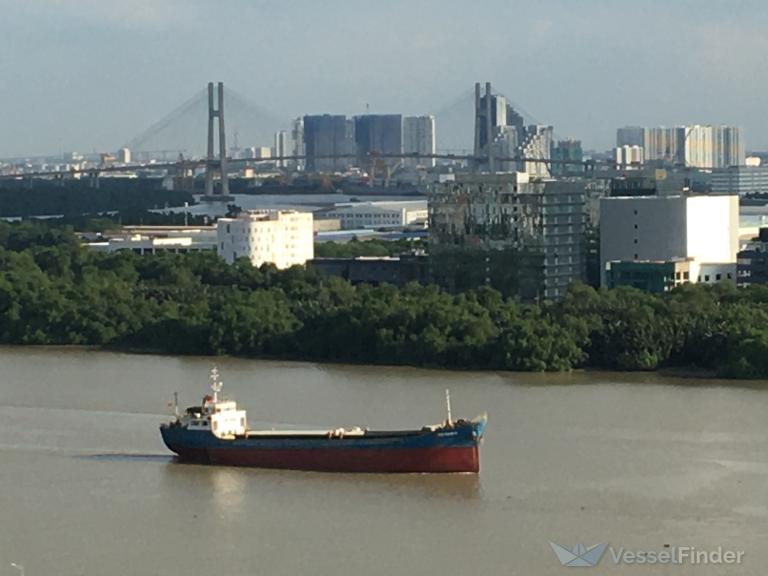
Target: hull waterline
216	432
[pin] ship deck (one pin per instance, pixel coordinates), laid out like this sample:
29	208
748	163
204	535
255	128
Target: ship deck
327	433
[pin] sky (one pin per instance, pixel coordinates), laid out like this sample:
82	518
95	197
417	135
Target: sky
89	75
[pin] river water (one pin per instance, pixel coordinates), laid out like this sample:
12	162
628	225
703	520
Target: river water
639	461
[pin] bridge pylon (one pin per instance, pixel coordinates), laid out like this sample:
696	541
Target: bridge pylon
212	164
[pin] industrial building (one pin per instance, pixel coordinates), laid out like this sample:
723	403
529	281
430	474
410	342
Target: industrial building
280	237
360	215
648	276
741	180
522	236
155	239
396	270
702	230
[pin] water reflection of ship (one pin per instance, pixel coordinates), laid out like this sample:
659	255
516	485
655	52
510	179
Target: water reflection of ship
226	486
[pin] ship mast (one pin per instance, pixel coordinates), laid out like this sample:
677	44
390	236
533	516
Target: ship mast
448	406
216	384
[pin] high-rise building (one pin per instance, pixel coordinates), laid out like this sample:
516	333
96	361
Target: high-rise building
565	152
630	136
257	152
500	132
537	145
664	145
629	156
297	137
728	147
697	146
124	155
284	238
378	134
491	114
329	141
506	145
498	128
525	237
283	147
419	138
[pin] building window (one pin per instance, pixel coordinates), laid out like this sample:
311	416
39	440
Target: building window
686	276
706	277
718	277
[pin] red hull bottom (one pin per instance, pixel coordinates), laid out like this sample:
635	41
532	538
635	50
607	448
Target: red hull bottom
409	460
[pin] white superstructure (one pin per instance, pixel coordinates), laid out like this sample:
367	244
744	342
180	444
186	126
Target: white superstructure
284	238
220	417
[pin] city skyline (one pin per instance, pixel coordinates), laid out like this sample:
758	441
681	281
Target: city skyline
316	59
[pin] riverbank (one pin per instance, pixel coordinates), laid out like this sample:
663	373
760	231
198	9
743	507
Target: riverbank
52	291
674	376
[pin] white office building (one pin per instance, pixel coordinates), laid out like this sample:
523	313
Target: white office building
419	138
701	229
284	238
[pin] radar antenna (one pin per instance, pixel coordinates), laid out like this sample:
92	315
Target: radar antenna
216	384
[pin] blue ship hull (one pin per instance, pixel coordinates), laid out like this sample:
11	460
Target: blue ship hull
452	448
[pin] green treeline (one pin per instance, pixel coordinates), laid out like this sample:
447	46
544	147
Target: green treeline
52	291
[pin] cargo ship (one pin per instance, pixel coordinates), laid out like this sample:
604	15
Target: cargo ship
217	432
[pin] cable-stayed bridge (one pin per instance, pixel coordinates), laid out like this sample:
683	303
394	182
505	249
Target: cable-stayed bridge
181	138
183	130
